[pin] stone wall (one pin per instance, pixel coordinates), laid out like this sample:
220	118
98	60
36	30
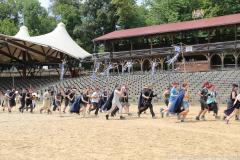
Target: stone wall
196	66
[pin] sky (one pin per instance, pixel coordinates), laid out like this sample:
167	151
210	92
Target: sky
46	3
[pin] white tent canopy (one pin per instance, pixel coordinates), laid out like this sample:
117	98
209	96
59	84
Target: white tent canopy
58	39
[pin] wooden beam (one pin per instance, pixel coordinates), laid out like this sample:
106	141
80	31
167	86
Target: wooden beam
10	56
29	49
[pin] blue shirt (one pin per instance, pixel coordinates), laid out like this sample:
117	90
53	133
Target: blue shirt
211	97
173	94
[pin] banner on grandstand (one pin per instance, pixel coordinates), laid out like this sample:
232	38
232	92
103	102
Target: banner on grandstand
93	76
107	70
154	65
97	66
177	50
189	49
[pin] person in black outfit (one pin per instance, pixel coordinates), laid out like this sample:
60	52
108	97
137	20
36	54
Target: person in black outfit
233	98
85	98
22	98
11	98
146	101
235	111
29	103
72	98
103	100
66	100
203	101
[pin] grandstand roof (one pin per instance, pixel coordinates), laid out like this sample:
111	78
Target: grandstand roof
171	27
48	46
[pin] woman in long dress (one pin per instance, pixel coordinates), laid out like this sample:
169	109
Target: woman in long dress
236	106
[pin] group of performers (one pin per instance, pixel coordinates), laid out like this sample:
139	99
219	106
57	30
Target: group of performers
93	99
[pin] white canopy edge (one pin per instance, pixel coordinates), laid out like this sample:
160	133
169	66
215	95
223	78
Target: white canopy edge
58	39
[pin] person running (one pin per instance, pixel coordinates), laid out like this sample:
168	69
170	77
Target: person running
172	98
29	102
85	101
22	98
11	100
72	97
211	101
182	115
46	102
95	97
231	100
66	100
5	103
124	100
103	100
34	100
146	101
57	102
203	101
1	98
118	92
166	96
236	106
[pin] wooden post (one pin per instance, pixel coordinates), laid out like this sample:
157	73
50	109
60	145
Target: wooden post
222	59
208	38
131	47
24	65
235	37
151	46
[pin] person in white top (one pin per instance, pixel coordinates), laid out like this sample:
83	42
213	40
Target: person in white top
118	92
46	102
95	97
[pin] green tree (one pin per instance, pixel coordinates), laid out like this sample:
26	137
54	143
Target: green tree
35	17
8	27
99	17
129	14
68	12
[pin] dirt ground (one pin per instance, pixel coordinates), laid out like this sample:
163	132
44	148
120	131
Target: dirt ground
34	136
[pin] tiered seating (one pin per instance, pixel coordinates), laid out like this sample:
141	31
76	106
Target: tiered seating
35	83
221	79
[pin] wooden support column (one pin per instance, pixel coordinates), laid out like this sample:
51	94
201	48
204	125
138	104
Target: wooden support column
162	63
151	46
222	59
24	64
141	63
236	60
208	38
209	61
131	47
235	32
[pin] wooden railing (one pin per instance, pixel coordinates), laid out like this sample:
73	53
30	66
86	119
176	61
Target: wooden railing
219	46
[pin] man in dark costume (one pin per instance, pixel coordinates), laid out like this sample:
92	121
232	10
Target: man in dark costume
145	101
75	108
29	101
11	100
22	98
203	101
108	103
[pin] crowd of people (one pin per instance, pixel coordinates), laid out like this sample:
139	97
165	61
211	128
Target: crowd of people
112	103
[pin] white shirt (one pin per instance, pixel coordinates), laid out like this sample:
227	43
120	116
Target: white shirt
116	97
95	100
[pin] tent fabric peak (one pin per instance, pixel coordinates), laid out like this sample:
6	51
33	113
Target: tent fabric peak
58	39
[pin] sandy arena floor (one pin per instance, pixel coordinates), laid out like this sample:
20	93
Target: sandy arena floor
34	136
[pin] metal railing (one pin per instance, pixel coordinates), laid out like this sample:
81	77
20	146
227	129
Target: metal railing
219	46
